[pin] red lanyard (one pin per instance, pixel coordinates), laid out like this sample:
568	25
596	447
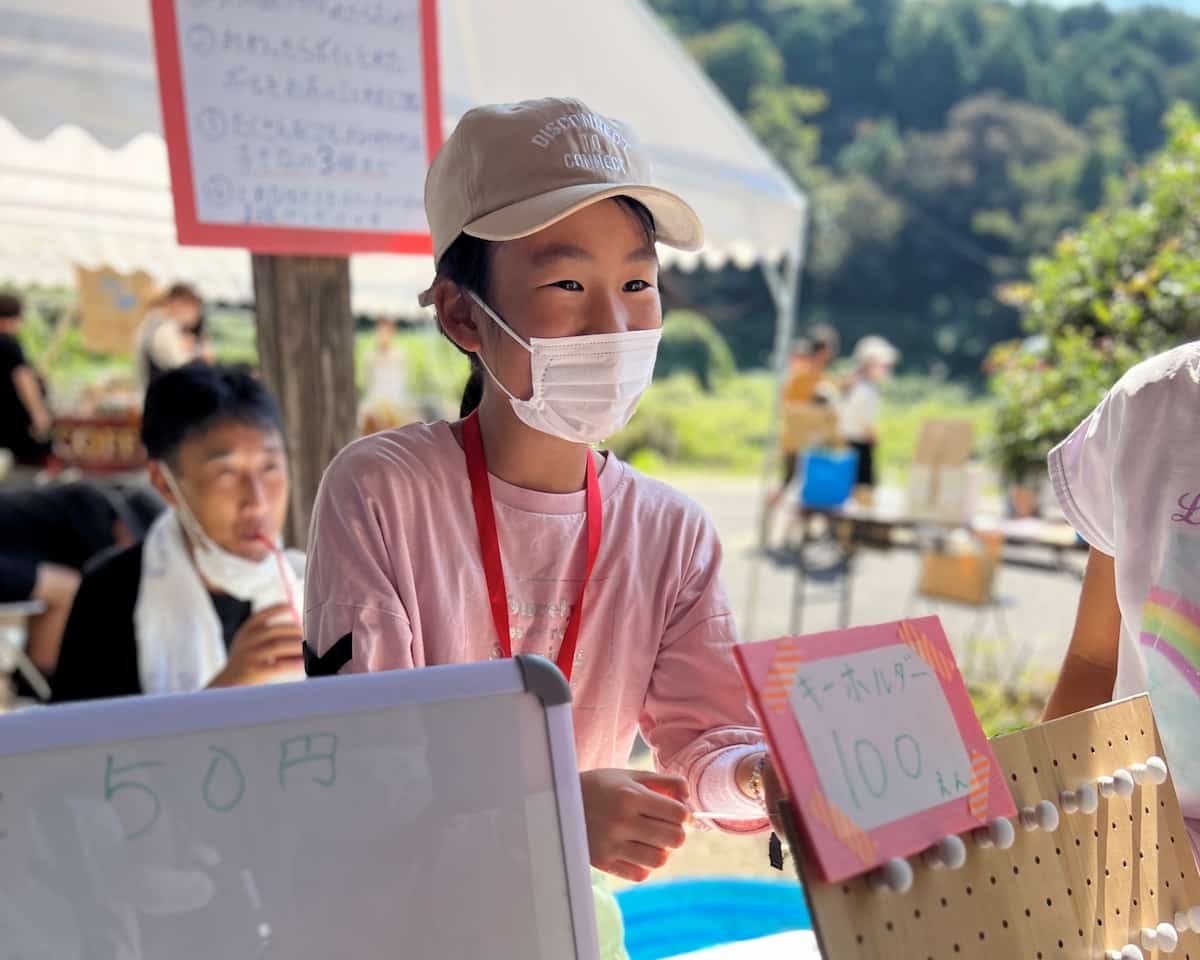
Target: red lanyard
489	543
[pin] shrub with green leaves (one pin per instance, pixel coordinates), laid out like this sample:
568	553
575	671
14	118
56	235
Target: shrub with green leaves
1123	287
678	422
690	343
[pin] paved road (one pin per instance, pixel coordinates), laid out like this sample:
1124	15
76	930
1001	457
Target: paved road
1039	604
1040	617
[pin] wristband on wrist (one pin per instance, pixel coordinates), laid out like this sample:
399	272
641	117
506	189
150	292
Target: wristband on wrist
756	780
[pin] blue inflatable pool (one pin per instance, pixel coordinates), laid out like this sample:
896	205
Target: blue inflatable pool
679	916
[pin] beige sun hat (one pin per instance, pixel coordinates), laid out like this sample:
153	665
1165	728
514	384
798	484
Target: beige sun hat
875	349
509	170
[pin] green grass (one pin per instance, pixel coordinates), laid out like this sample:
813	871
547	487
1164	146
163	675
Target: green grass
1004	710
679	428
436	371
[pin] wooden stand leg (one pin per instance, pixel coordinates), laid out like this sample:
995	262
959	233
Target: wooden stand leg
784	816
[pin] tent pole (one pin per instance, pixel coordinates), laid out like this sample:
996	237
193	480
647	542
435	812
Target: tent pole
783	281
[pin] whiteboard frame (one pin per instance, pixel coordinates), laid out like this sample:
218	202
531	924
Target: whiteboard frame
145	717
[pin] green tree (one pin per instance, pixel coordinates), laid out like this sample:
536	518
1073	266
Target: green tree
699	16
1042	25
1125	286
690	343
856	226
1007	63
1107	156
966	187
1167	35
926	69
859	53
1098	71
806	43
779	118
878	151
1085	18
1002	155
740	58
1141	82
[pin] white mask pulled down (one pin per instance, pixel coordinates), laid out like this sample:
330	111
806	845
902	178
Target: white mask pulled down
262	583
585	388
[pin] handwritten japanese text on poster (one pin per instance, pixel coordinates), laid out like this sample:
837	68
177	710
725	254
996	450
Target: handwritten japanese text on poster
296	115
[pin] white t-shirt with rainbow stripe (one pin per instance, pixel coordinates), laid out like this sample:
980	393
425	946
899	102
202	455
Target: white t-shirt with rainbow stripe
1128	479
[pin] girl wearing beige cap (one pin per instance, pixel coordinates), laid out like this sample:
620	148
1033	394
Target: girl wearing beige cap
505	532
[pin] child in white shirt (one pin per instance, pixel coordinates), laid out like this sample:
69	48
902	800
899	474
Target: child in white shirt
1128	479
874	360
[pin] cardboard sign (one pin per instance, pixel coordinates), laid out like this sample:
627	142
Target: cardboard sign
940	481
99	445
875	736
111	306
300	128
964	576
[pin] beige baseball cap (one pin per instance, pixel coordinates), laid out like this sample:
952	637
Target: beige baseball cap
509	170
875	349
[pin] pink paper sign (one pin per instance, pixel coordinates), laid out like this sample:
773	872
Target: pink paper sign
876	739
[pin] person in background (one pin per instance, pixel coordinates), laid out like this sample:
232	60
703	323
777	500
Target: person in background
47	536
874	361
385	403
171	334
801	407
25	419
209	598
1128	481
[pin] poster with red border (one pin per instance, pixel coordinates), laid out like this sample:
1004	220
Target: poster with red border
875	737
296	127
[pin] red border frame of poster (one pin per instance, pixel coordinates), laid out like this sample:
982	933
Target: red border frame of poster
277	240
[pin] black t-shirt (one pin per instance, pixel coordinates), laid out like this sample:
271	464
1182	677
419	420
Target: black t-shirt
66	524
15	420
99	655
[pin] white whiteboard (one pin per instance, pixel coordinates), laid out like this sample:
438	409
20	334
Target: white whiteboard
300	114
424	813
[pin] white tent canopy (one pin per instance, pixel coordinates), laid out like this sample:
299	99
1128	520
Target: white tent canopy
83	170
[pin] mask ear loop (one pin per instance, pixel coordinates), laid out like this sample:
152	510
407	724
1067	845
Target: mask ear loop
500	323
495	318
200	539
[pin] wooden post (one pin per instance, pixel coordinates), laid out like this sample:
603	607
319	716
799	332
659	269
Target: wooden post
306	350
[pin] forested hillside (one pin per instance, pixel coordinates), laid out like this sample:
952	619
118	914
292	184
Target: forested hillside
943	143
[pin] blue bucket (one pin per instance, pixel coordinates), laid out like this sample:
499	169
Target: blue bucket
828	477
681	916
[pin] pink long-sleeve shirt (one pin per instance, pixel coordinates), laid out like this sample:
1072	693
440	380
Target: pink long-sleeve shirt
395	579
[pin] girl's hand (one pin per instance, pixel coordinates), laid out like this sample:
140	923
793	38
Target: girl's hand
634	820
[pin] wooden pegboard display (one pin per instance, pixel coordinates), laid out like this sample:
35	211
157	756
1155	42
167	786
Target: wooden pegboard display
1089	887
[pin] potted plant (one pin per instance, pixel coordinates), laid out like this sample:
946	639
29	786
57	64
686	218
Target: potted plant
1022	440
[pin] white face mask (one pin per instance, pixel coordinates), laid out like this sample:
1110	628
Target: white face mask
585	388
259	582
